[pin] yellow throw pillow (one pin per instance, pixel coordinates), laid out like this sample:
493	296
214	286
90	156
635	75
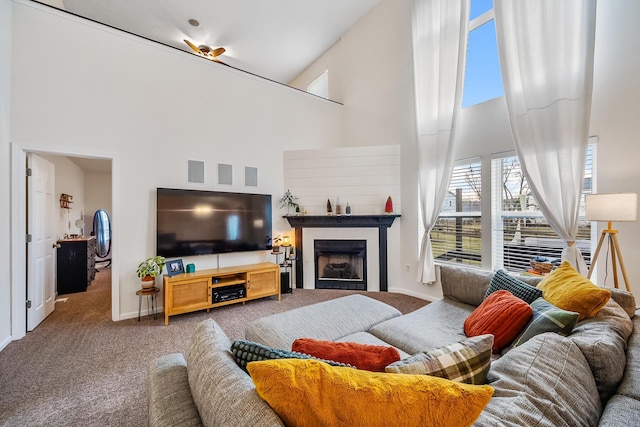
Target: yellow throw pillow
312	393
567	289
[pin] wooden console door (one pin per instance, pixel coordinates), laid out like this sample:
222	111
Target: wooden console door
263	283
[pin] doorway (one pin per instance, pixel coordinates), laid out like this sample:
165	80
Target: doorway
99	177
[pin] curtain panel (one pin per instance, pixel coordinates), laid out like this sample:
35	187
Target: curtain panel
439	51
546	56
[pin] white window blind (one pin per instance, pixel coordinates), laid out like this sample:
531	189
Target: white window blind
320	86
520	231
457	234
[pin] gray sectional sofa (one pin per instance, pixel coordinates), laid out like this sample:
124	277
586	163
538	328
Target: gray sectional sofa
591	377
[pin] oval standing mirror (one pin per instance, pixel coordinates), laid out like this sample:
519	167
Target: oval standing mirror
102	231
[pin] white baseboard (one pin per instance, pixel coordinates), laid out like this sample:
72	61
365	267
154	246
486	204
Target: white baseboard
5	342
143	313
413	294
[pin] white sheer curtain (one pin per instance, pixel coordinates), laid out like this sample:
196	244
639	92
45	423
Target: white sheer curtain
546	55
439	46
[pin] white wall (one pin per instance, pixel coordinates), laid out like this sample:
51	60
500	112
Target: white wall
97	92
5	167
97	195
69	180
370	70
615	118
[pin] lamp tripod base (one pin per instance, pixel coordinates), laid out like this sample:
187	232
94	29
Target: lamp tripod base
612	238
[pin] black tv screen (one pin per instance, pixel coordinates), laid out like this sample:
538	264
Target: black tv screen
195	222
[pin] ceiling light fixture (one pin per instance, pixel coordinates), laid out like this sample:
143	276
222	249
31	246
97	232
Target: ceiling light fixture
194	22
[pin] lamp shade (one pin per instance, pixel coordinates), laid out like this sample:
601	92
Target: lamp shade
611	207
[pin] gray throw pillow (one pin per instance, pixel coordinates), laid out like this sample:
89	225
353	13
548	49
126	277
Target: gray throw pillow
548	318
247	351
504	281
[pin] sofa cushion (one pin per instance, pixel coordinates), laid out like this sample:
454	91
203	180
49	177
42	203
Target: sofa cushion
630	385
545	382
625	299
567	289
547	318
467	361
464	284
308	392
248	351
437	324
329	320
168	384
224	394
502	280
362	356
502	315
603	341
621	411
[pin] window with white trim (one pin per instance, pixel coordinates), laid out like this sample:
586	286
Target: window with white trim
520	231
320	85
457	234
483	78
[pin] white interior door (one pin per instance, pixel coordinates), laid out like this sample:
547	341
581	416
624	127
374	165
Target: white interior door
41	279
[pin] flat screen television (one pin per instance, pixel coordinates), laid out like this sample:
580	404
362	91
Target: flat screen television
195	222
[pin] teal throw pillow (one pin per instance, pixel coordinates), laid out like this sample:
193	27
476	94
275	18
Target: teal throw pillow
502	280
467	361
547	318
248	351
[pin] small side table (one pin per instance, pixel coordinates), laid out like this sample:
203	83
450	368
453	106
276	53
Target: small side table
150	293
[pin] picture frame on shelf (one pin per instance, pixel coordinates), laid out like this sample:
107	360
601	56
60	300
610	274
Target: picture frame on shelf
175	266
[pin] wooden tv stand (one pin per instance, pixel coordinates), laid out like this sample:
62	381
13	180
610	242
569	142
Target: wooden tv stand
188	292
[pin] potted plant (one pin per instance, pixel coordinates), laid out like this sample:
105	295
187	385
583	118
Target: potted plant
289	201
149	269
275	247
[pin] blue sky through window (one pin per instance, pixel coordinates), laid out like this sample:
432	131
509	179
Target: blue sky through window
483	80
478	7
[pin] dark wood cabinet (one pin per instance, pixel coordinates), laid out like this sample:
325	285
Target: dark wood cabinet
76	264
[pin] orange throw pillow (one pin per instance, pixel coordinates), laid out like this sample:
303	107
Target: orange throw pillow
502	315
363	356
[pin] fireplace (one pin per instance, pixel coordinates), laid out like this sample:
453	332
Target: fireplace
340	264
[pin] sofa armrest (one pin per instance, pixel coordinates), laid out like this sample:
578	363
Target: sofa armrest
170	401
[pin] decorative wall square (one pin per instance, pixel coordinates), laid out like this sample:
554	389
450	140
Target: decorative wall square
195	171
225	174
250	176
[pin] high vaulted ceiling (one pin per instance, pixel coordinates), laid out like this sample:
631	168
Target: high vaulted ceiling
276	39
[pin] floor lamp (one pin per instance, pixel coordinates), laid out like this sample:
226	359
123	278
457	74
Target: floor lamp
611	208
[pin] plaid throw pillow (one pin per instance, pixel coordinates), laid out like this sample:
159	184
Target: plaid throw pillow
248	351
548	318
504	281
467	361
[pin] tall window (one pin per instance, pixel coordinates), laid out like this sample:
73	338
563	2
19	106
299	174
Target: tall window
457	234
320	85
520	231
483	80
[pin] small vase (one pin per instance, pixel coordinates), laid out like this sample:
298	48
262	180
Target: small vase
148	282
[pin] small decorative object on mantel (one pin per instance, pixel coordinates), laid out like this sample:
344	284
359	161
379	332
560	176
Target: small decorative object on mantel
338	207
347	209
388	207
149	269
289	201
329	209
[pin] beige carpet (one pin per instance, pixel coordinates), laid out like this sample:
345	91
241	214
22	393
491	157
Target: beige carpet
80	368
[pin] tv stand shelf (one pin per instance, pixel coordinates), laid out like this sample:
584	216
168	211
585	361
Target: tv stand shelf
189	292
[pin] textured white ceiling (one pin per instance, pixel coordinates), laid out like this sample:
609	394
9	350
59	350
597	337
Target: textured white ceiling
276	39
